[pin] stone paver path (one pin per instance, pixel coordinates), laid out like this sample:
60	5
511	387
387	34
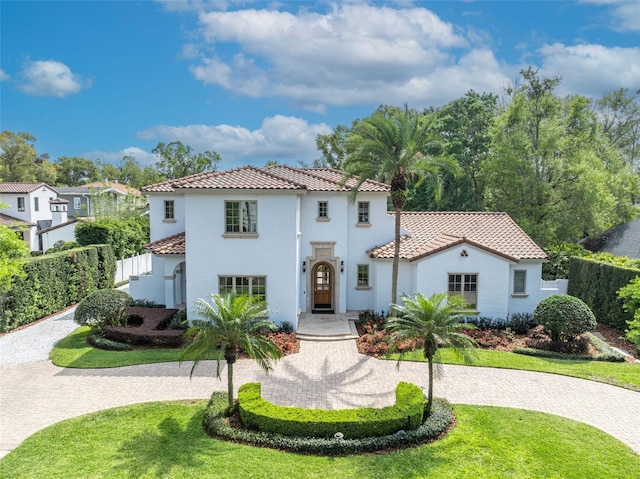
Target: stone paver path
322	375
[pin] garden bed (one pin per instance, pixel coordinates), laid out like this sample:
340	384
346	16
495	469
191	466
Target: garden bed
147	327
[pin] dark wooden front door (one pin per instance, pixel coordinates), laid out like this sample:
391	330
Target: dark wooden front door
322	286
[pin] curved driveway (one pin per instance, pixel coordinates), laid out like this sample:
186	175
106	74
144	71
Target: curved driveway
323	375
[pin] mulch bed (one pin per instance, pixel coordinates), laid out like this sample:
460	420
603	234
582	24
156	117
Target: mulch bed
147	326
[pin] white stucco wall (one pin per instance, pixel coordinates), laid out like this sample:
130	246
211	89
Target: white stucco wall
272	253
64	233
161	228
159	285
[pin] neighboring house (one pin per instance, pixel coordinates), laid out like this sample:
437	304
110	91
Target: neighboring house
81	198
293	237
621	240
60	229
28	207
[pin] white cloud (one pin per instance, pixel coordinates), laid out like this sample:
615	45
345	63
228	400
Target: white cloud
281	138
591	69
143	157
50	78
4	76
353	54
625	13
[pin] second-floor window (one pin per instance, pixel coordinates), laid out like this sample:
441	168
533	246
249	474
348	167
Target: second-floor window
363	275
36	204
20	203
363	212
323	209
241	216
169	210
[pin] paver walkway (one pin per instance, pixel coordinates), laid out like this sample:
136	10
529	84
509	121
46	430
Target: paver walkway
323	374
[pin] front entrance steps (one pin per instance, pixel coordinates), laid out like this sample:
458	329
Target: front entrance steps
327	327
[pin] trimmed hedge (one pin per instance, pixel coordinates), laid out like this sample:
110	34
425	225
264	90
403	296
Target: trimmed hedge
215	424
264	416
597	283
564	317
55	281
106	344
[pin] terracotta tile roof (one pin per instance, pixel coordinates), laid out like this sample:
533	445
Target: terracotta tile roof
6	220
435	231
269	178
18	188
171	245
58	201
119	187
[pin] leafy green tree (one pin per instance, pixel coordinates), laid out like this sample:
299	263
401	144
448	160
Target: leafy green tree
333	147
45	172
178	160
434	321
18	156
13	254
630	296
231	323
76	171
464	125
126	237
551	167
393	147
619	112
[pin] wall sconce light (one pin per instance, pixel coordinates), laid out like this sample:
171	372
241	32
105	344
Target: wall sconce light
304	266
342	266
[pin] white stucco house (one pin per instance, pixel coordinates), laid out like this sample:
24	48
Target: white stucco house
294	237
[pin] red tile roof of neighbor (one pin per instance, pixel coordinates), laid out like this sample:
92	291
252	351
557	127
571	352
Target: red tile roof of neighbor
18	188
279	177
119	187
431	232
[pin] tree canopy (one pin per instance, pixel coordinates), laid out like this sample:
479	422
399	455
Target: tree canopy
178	160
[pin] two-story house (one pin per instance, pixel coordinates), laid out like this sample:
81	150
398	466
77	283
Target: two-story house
295	238
28	208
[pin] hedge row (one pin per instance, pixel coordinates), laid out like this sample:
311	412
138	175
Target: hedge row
55	281
264	416
215	424
597	284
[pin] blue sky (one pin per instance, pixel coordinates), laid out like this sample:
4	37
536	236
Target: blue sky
259	80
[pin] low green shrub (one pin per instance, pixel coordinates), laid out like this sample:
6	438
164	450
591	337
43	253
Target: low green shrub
179	321
106	344
286	327
564	317
353	423
606	352
105	307
215	424
147	303
630	296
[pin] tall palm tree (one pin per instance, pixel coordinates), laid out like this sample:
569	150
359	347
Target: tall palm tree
231	323
393	146
434	321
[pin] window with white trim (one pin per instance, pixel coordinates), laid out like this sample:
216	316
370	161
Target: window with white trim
363	212
77	203
254	286
20	203
36	204
241	216
520	281
464	285
363	276
169	210
323	210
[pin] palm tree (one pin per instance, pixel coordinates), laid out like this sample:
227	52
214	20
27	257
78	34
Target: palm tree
434	321
393	146
231	323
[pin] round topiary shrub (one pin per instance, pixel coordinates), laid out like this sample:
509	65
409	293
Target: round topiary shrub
564	317
105	307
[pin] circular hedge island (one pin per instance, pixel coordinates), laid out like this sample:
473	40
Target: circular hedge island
336	432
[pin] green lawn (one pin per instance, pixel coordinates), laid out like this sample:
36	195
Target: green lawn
74	352
618	374
166	440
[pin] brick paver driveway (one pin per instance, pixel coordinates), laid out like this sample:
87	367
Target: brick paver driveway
322	375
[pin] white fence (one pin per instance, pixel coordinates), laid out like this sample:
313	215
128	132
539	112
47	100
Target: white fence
558	285
134	266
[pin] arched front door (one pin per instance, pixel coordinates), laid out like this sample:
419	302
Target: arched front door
322	287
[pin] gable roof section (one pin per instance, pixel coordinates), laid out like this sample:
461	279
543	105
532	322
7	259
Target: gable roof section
433	232
170	245
279	177
118	187
11	222
21	188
